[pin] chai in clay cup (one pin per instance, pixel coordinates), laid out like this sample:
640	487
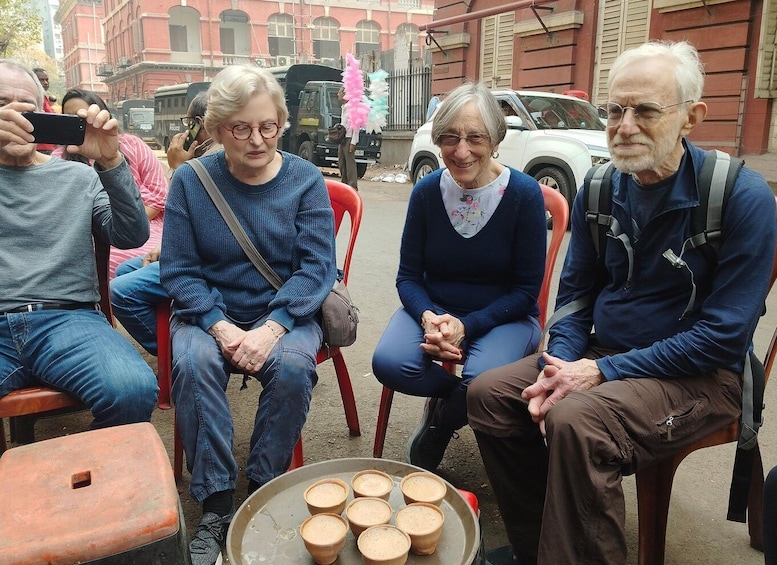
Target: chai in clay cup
372	483
384	545
423	487
423	523
327	495
367	511
324	536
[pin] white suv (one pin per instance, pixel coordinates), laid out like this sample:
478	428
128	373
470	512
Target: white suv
552	137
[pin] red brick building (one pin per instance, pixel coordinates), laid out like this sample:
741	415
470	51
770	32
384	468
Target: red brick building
149	44
570	44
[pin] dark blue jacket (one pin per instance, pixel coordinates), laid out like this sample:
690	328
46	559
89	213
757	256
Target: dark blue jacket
643	319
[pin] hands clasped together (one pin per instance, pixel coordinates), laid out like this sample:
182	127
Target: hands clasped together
556	381
247	350
443	335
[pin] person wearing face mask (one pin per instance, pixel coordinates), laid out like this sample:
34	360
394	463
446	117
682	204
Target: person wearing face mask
557	431
226	316
471	265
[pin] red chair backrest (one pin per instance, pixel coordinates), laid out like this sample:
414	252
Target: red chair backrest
344	200
556	205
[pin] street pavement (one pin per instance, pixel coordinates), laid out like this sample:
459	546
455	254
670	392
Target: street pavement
698	532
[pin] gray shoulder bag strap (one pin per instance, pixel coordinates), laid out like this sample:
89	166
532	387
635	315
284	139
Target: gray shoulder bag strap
234	226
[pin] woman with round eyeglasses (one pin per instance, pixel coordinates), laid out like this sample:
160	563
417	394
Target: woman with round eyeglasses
471	265
226	316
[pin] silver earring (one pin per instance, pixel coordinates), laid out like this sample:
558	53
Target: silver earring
439	154
495	154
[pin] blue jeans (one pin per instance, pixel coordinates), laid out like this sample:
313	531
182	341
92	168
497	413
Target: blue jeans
200	377
77	351
135	292
400	364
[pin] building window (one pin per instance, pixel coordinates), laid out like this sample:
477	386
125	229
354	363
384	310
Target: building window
184	27
280	35
326	38
178	38
367	38
234	33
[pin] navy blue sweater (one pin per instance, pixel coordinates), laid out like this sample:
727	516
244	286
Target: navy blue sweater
289	220
487	280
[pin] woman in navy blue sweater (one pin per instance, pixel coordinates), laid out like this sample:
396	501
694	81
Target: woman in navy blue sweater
471	266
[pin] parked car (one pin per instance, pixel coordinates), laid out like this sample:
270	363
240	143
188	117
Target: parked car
552	137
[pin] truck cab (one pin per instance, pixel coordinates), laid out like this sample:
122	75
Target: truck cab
311	97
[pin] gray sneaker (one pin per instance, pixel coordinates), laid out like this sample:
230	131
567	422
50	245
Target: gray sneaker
427	445
209	538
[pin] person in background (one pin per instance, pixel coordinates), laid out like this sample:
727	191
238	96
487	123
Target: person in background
471	266
136	289
146	169
346	157
226	316
557	431
51	331
43	78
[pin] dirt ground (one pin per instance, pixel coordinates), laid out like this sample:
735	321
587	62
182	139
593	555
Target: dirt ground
698	531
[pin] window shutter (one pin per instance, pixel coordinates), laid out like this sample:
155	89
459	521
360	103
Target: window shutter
622	24
496	70
766	71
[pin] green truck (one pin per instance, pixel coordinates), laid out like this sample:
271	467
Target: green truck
311	96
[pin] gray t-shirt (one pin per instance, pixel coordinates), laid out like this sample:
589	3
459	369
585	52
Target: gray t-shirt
47	213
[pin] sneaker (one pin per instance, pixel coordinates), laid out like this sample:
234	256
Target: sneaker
205	547
428	443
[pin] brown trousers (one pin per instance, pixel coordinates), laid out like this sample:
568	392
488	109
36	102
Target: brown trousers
561	500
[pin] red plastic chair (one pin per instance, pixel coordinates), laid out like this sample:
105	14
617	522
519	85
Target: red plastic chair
26	405
557	206
345	200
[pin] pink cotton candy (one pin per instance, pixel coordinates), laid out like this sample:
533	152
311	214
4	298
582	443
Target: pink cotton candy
356	108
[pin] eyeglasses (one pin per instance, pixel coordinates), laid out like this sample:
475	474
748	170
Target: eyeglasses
188	121
473	140
241	132
646	114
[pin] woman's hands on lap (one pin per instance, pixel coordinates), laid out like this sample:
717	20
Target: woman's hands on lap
246	350
443	335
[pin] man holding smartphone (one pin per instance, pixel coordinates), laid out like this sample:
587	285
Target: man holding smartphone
43	78
51	332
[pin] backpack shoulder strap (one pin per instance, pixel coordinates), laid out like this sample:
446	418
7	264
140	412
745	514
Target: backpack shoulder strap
597	191
716	180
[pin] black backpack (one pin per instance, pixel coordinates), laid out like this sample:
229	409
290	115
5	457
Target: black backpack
715	182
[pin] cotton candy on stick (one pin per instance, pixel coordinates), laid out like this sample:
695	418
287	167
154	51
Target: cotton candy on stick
356	107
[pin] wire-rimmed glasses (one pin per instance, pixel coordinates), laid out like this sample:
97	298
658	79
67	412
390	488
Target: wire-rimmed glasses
646	114
242	132
473	140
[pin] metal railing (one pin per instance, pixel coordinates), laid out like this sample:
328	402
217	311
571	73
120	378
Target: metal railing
409	93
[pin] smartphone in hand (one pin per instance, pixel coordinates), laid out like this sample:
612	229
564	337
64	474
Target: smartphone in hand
194	131
58	129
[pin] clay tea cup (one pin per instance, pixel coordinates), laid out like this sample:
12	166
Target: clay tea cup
423	523
324	536
327	495
372	483
367	511
384	545
423	487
